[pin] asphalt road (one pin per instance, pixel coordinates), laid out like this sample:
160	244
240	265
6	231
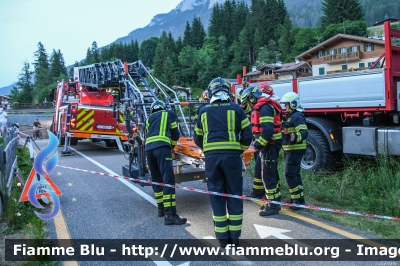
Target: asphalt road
100	207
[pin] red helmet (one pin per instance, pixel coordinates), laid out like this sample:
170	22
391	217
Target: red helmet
267	89
204	96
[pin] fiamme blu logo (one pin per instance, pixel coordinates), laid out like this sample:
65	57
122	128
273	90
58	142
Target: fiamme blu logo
43	164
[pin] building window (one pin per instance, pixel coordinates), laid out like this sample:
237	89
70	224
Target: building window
361	65
332	51
322	71
368	47
355	48
343	50
268	72
321	54
371	63
344	67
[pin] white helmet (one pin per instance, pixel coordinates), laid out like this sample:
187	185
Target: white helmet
294	101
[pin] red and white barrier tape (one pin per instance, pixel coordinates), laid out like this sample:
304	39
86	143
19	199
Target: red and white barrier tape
148	182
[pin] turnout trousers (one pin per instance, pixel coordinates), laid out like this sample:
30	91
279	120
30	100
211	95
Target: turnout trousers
292	174
258	185
160	164
269	169
224	173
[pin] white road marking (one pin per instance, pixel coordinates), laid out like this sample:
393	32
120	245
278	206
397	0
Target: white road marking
126	182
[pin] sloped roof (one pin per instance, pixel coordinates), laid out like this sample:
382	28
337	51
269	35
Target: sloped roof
338	37
292	66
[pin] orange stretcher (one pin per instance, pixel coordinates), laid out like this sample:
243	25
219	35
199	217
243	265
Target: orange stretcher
187	151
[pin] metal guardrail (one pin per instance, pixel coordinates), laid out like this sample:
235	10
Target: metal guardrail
8	164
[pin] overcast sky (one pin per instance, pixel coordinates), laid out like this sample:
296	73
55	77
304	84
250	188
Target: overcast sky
70	26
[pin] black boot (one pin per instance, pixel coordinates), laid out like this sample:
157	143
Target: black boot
269	209
161	210
300	201
223	242
174	220
259	194
234	241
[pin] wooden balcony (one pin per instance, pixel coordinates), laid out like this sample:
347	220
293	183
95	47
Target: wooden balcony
349	70
303	74
268	77
336	58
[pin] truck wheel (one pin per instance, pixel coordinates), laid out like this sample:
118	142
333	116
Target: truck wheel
318	155
74	141
110	143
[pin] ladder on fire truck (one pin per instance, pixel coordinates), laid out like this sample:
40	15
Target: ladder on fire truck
138	89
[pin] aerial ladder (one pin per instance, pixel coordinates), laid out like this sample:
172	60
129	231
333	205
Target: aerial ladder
137	90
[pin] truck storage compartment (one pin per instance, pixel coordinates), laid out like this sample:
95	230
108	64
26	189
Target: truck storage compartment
389	141
359	140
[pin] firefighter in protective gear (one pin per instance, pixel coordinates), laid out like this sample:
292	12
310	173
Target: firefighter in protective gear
223	133
162	135
295	133
266	119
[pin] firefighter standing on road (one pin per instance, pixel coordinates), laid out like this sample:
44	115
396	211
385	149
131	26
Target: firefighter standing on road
266	119
162	133
295	133
223	133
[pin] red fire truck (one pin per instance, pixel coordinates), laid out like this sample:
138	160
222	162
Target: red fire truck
84	110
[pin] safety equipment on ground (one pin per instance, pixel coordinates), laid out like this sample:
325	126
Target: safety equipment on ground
157	105
216	85
294	101
250	95
204	96
266	90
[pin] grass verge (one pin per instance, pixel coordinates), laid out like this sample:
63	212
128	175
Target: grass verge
363	185
19	220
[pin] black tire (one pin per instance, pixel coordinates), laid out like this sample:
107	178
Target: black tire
40	134
318	155
110	143
74	141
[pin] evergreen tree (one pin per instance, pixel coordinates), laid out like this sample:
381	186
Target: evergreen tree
337	11
358	28
305	38
239	21
147	51
95	53
215	22
197	33
58	69
187	63
23	91
187	35
88	59
42	67
286	40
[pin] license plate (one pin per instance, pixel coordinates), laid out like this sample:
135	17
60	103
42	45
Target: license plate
104	127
